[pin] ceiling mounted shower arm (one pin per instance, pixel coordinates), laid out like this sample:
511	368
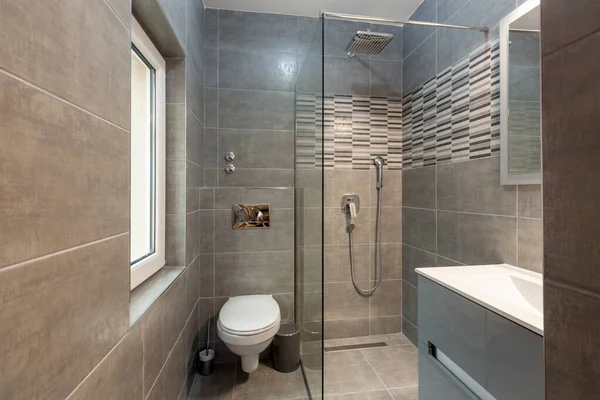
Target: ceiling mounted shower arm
387	21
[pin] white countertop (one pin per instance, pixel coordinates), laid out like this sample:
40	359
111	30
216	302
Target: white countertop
514	293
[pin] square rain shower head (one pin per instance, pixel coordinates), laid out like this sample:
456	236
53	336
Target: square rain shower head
365	42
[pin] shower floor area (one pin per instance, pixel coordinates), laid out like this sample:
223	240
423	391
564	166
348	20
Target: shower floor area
381	367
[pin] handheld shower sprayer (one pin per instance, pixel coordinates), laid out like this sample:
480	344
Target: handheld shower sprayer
352	212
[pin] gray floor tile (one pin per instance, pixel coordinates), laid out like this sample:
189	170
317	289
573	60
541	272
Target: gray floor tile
376	395
396	366
405	393
268	384
218	386
349	372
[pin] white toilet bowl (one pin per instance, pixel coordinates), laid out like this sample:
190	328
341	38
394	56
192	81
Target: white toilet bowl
247	325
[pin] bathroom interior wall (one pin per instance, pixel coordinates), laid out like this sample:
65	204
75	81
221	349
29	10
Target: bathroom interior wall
455	212
570	104
64	274
250	75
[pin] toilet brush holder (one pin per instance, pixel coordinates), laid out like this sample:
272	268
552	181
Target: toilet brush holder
207	362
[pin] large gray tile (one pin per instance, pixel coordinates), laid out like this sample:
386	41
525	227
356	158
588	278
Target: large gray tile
531	247
60	167
211	67
566	22
419	66
250	109
393	51
349	372
286	306
37	315
192	234
419	228
175	131
376	395
257	31
194	88
410	331
412	258
570	334
410	303
524	83
194	140
396	366
390	222
89	70
477	239
175	81
211	148
278	198
123	10
259	70
257	149
405	393
384	325
391	256
336	223
207	233
211	108
309	30
238	274
143	296
266	383
211	27
336	267
338	183
175	240
386	78
195	32
119	374
447	8
344	75
474	186
280	236
415	35
524	49
175	12
387	299
530	201
391	195
207	271
345	328
218	386
419	187
342	301
256	177
338	34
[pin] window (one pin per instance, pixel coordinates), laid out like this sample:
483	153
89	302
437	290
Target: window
147	230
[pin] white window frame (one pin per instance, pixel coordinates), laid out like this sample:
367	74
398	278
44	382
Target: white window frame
145	268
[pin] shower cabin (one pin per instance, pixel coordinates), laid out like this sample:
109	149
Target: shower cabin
349	156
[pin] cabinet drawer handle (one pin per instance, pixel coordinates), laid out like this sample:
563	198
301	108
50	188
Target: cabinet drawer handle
453	379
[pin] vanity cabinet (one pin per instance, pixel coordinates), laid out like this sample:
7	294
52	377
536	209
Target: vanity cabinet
497	356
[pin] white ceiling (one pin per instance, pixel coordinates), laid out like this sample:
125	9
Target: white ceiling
399	9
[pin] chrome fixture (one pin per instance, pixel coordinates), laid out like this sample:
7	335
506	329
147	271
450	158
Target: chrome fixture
229	156
366	42
230	168
387	21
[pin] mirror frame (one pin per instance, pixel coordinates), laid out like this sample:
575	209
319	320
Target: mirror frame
506	178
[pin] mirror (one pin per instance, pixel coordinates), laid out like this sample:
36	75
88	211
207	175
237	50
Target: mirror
520	96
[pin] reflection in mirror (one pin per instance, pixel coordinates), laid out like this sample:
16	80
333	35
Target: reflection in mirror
520	95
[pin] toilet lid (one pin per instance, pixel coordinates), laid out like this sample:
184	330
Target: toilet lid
249	313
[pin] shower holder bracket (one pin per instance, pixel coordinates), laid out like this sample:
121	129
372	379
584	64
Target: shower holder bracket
350	198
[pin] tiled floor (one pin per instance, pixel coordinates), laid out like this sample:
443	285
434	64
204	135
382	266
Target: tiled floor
368	373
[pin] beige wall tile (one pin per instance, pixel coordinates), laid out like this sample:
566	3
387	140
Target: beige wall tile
53	49
59	316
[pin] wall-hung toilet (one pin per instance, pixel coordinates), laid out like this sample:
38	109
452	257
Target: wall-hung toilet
247	325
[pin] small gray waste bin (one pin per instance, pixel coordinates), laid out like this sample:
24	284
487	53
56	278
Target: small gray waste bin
286	348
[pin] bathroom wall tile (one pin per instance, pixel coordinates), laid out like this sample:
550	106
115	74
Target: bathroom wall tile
336	224
175	240
310	73
392	188
280	236
524	49
385	325
393	51
53	61
192	200
387	299
410	303
207	233
42	192
194	140
569	232
419	228
391	254
192	234
205	311
211	67
477	239
257	70
410	331
211	108
176	199
238	274
445	262
412	258
391	224
207	271
175	174
340	182
254	31
175	131
342	302
161	327
419	187
386	78
256	177
194	87
192	284
415	35
277	198
175	12
195	33
309	29
123	10
530	201
530	237
447	8
524	83
211	27
338	33
194	175
286	306
256	110
419	66
119	374
346	328
175	81
211	148
336	267
570	335
474	186
344	75
36	312
566	22
257	148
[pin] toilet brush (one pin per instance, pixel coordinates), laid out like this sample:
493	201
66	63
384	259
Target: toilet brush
207	356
